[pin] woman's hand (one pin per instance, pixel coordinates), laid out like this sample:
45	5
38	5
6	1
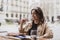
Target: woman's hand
23	21
13	34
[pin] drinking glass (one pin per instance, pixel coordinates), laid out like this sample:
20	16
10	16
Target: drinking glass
33	34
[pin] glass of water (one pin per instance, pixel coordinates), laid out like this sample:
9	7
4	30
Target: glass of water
33	34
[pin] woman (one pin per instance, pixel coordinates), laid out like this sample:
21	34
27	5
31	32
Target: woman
38	23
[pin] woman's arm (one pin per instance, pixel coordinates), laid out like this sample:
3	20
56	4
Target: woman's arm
48	32
26	27
21	29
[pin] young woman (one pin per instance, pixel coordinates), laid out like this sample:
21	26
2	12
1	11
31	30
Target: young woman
38	23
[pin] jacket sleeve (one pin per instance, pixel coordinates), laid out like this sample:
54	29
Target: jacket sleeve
25	29
48	32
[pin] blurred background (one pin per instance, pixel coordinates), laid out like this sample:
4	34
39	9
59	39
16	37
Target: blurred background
12	11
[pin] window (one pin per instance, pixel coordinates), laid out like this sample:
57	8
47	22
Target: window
27	3
16	15
12	4
7	8
58	17
1	9
20	0
24	16
20	16
7	1
27	15
1	5
6	15
16	0
16	3
24	2
11	15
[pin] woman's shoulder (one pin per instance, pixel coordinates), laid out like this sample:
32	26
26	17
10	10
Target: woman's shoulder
44	24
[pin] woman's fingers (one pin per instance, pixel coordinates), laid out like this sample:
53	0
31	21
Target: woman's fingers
13	34
23	21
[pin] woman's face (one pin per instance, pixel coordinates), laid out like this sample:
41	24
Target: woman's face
34	16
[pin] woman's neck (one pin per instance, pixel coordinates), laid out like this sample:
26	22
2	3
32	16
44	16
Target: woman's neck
36	21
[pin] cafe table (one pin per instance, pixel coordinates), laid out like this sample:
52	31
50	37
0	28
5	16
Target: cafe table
17	38
14	38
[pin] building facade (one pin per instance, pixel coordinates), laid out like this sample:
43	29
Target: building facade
15	9
18	9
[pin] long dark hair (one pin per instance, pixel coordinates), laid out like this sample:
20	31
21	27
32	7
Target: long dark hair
39	13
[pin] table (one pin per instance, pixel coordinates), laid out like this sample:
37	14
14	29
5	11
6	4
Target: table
16	38
8	38
12	38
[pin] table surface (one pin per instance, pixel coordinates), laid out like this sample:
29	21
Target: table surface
14	38
9	38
